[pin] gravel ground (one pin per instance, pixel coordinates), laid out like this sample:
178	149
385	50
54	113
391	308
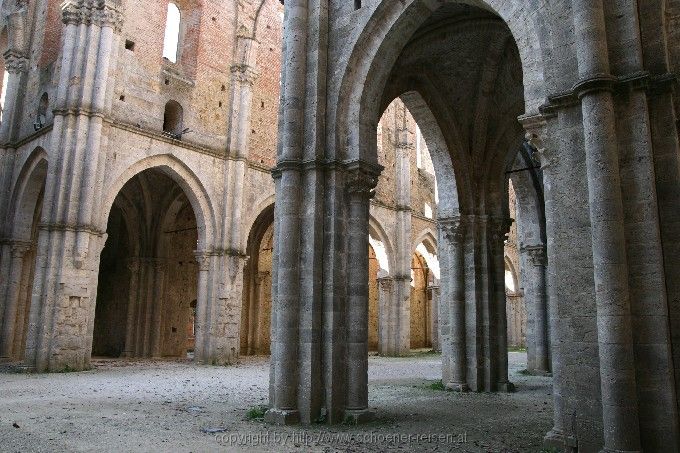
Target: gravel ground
167	406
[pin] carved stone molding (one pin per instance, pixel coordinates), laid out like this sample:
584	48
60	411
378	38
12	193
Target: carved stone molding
104	13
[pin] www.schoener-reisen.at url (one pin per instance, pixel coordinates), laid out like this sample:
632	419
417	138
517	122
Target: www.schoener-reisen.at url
304	439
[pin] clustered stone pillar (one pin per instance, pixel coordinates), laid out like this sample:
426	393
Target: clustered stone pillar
615	339
360	190
401	327
453	327
535	294
70	238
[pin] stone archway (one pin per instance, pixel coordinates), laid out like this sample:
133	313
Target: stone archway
257	286
19	254
148	274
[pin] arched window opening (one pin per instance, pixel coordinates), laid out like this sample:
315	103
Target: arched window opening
41	115
173	120
3	95
172	29
510	279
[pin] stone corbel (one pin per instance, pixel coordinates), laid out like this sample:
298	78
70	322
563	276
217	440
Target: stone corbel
536	130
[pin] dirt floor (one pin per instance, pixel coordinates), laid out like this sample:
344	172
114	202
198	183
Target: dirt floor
177	406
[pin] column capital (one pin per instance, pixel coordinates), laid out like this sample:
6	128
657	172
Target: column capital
500	226
244	73
19	248
104	13
362	178
536	254
452	229
15	62
203	259
536	127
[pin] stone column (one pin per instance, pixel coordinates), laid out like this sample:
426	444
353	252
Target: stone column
360	185
284	377
159	269
16	65
452	240
133	300
386	346
434	317
202	320
404	147
499	231
535	294
615	340
9	325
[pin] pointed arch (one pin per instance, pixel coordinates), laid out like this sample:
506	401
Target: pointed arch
185	178
26	195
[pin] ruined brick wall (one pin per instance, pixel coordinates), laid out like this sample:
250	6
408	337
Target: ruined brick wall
200	79
267	88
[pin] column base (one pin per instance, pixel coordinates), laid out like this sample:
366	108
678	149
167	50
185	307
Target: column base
282	417
506	387
554	439
539	373
357	416
456	387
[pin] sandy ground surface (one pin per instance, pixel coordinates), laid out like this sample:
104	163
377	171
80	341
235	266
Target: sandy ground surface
167	406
